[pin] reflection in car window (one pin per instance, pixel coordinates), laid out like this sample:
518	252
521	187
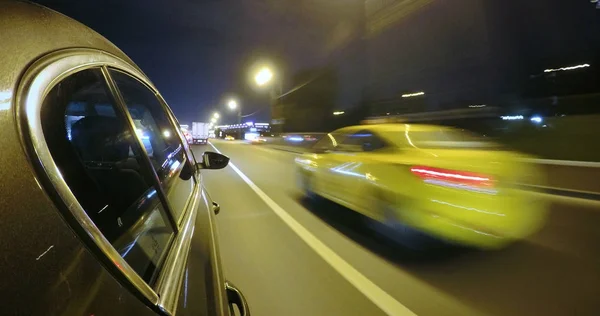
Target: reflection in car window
161	140
328	142
363	141
441	138
100	162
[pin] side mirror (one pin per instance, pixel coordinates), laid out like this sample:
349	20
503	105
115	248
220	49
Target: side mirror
212	160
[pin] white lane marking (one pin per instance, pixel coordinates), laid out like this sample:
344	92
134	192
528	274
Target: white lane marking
374	293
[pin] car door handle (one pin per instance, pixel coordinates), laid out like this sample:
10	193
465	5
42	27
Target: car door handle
235	297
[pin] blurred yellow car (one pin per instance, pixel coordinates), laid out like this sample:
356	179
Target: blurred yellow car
425	181
229	137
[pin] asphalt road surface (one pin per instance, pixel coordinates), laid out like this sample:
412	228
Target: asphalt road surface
291	257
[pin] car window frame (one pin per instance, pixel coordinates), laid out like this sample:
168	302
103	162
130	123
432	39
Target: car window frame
343	148
174	124
52	114
335	139
374	135
33	87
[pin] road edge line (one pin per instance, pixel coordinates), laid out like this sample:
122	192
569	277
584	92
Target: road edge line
374	293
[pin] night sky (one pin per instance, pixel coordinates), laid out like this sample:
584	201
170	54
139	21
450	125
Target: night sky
199	52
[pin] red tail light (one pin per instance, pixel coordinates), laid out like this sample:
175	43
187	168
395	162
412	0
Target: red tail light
453	176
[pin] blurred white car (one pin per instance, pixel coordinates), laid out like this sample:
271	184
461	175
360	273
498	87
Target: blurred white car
259	140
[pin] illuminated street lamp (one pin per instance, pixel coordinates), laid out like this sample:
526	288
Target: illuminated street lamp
263	76
216	115
232	104
213	120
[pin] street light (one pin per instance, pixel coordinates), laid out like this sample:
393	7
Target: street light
216	115
233	105
263	76
213	120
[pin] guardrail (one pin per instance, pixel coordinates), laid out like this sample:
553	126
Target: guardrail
570	178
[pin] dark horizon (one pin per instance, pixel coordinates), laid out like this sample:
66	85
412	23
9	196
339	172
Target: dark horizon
198	53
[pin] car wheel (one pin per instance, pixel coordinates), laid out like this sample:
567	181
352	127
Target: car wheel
395	229
306	185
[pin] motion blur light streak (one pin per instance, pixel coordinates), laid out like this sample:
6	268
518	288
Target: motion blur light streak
349	172
338	113
467	208
333	140
473	230
295	139
408	137
410	95
151	194
512	117
461	186
568	68
536	119
455	175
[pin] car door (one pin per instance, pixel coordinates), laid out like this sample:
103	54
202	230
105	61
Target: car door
355	162
324	158
194	271
92	171
129	184
345	172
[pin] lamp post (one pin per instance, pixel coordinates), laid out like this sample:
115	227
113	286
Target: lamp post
233	105
263	77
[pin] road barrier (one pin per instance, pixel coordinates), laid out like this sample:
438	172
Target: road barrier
568	178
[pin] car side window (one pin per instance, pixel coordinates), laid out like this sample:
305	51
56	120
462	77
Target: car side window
92	144
160	138
363	140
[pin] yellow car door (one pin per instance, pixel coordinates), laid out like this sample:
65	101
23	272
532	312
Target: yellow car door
356	157
325	158
339	174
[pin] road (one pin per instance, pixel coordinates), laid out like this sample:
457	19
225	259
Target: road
291	257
